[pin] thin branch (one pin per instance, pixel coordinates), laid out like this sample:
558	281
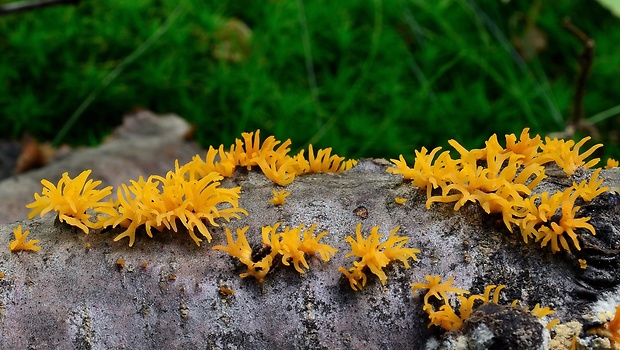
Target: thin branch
586	57
20	6
542	83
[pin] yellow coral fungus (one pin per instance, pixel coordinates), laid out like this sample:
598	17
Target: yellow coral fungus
322	162
426	173
541	312
20	243
279	170
247	152
216	160
272	156
71	199
279	197
134	207
400	200
159	202
437	289
292	245
467	306
241	250
375	255
501	176
486	297
494	186
583	264
613	327
567	224
590	189
446	317
539	220
611	163
348	164
502	179
566	154
526	146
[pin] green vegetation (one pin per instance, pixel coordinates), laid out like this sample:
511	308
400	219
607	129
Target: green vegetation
369	78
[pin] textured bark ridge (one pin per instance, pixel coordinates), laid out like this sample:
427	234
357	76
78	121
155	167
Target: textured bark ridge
168	292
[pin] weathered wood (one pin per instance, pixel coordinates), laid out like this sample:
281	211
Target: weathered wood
167	294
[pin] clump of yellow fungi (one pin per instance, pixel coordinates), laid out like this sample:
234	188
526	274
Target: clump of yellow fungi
375	255
446	317
292	245
72	199
272	157
279	197
20	243
181	196
502	179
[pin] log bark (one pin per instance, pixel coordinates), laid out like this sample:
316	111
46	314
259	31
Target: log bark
171	293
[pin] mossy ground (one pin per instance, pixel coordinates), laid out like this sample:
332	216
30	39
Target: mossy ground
369	78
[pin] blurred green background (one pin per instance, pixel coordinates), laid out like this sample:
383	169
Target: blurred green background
368	78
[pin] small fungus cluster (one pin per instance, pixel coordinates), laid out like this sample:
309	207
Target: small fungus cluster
181	196
272	157
279	197
502	179
535	216
73	199
447	318
20	243
375	255
613	327
291	245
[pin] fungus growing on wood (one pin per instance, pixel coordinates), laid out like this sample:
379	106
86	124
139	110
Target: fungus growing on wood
501	180
375	255
447	318
292	245
611	163
279	197
181	196
295	242
71	199
20	243
566	154
539	220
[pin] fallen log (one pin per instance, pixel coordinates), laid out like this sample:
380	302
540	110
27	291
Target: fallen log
89	292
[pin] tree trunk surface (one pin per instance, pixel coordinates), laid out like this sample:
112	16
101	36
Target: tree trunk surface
170	293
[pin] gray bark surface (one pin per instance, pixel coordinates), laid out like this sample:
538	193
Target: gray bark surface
167	294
